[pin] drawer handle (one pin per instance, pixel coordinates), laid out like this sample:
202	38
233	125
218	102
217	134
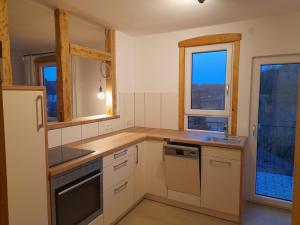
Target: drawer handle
120	154
220	163
121	188
119	166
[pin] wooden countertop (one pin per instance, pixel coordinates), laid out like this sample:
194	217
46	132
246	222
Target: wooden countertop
107	144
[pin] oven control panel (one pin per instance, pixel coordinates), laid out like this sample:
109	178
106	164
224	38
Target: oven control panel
76	173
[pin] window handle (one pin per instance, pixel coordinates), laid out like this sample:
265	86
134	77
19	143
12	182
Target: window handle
227	89
253	130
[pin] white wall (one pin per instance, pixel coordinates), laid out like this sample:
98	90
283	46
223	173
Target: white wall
125	78
156	56
85	76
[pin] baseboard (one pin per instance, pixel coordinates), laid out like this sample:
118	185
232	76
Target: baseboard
220	215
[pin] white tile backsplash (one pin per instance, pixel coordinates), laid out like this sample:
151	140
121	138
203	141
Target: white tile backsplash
54	138
105	127
152	110
90	130
169	111
71	134
139	109
129	110
117	124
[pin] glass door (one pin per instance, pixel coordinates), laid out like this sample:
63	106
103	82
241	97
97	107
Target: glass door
273	122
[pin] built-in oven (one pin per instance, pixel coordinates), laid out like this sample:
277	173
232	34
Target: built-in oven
77	195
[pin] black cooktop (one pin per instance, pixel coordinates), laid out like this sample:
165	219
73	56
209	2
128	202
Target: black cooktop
59	155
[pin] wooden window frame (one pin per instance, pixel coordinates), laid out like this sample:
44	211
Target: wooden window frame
40	62
234	38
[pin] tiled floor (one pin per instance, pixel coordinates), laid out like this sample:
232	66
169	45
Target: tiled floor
153	213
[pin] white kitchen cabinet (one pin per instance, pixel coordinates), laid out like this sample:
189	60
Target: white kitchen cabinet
118	199
140	172
117	171
220	180
155	169
118	156
25	143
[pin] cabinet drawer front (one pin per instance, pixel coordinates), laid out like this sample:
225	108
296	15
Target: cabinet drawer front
118	171
119	156
220	189
225	153
117	200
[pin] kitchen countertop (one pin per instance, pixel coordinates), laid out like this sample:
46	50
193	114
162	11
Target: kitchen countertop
107	144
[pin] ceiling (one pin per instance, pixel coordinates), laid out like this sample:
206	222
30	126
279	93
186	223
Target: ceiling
32	29
140	17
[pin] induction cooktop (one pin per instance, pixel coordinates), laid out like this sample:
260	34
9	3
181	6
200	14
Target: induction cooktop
59	155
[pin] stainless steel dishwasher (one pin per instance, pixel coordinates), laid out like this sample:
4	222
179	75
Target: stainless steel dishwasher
182	167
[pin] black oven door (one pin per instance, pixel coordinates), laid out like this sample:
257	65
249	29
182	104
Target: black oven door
80	201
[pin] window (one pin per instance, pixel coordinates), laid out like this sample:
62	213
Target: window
45	70
208	87
49	81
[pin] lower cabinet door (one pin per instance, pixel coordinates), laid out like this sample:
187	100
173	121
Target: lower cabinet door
220	184
155	169
117	200
140	172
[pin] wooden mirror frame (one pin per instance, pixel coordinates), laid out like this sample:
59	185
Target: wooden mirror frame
64	50
4	38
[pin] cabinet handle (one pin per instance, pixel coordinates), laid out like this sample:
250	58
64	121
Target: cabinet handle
220	163
41	108
119	166
121	188
137	154
120	154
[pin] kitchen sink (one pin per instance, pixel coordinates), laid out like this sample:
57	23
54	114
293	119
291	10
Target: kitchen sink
225	140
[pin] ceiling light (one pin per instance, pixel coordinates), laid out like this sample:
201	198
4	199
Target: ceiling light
201	1
101	94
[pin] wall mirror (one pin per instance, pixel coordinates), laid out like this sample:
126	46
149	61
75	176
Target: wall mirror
88	86
32	38
72	57
88	74
86	33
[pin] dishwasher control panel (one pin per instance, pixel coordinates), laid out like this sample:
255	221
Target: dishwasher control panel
182	150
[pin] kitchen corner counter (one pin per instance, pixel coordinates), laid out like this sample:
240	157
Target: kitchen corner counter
107	144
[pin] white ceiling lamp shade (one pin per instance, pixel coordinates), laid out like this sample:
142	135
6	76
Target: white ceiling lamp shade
201	1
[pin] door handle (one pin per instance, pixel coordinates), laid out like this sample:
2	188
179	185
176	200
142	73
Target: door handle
39	108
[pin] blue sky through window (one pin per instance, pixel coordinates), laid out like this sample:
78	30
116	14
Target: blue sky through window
209	67
50	73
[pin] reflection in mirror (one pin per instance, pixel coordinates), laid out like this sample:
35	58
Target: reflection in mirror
91	35
89	85
32	35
